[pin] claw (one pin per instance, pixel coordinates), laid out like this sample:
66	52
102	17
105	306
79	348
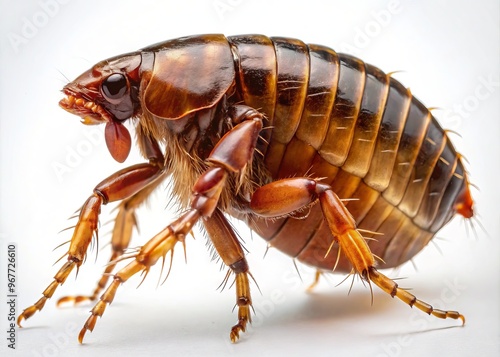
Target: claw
81	335
235	330
59	279
149	254
24	316
89	325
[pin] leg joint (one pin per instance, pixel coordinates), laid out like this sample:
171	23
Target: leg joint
241	266
105	199
243	301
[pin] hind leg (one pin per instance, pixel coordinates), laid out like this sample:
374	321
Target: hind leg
287	196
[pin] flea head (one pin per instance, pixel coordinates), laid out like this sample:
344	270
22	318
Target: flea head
107	93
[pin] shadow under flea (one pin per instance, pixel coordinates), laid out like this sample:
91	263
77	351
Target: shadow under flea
216	320
130	323
328	306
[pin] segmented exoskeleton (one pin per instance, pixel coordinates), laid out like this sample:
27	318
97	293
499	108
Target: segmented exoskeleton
263	129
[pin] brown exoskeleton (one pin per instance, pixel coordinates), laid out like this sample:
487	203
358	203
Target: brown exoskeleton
261	129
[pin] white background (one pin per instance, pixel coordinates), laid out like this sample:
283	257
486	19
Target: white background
447	51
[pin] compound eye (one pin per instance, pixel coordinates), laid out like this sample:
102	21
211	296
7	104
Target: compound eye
114	87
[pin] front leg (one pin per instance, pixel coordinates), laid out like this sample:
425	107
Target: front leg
232	153
118	186
124	224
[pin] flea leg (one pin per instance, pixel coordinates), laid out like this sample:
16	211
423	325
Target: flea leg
122	232
121	185
224	160
391	288
149	254
286	196
317	275
229	248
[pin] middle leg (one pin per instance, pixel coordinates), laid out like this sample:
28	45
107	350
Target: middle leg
229	248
